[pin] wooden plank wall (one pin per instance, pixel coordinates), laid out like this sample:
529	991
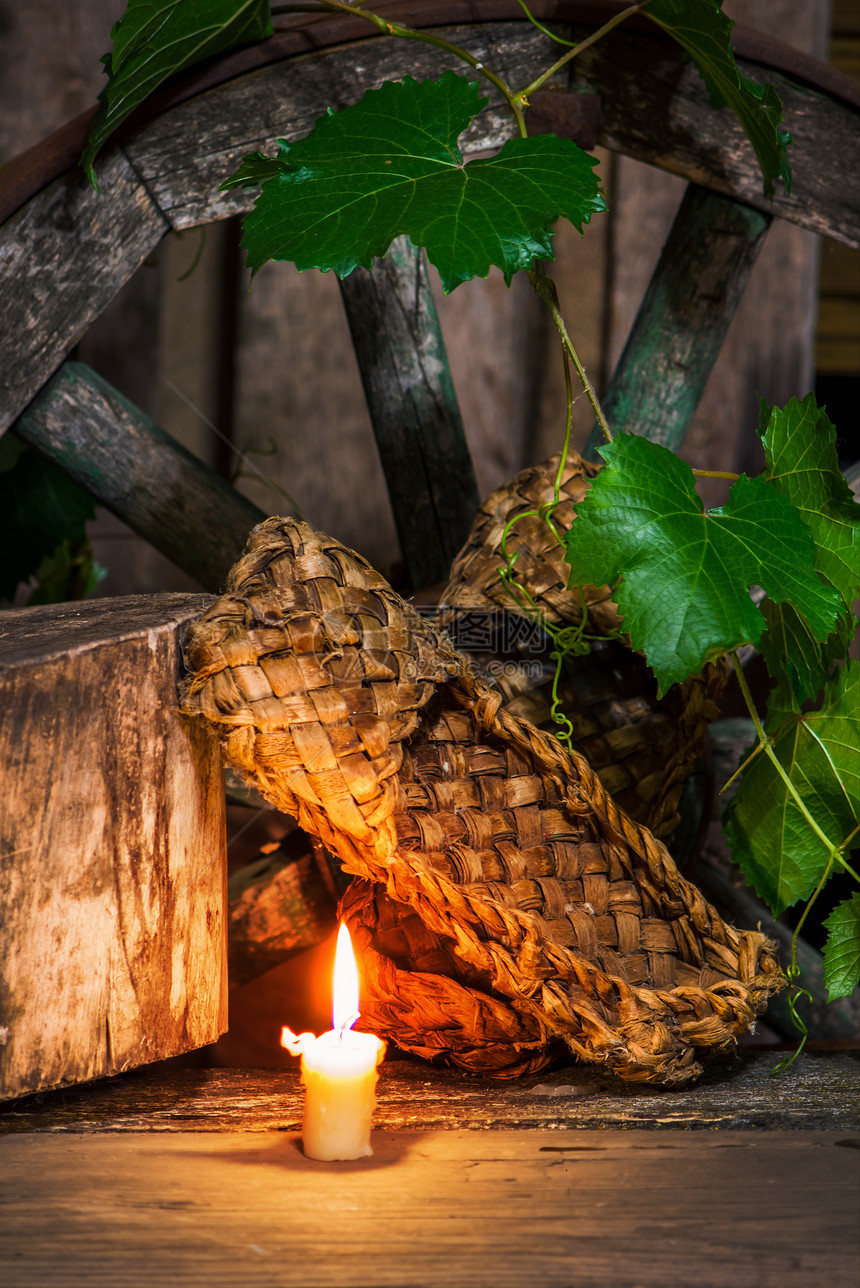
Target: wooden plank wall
837	349
769	349
167	340
50	72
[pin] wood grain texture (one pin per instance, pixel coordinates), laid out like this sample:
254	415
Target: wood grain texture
769	347
63	257
432	1210
49	67
413	408
300	415
129	464
122	345
665	119
199	278
113	843
582	273
821	1091
683	319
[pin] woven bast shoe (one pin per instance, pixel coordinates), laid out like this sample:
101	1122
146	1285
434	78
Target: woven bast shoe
505	905
643	748
475	579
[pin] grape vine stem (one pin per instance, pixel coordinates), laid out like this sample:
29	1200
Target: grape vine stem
523	94
792	975
545	288
514	101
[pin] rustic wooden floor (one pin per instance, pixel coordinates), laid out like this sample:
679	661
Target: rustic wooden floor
180	1176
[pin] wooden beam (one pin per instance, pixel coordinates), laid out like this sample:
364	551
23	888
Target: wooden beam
820	1092
683	319
413	408
112	845
63	257
665	119
123	459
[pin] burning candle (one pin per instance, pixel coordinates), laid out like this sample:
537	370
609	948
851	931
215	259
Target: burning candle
338	1071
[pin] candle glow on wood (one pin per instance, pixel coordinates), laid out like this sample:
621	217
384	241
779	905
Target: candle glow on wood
338	1071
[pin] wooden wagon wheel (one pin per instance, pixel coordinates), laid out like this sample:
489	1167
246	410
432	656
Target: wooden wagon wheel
66	250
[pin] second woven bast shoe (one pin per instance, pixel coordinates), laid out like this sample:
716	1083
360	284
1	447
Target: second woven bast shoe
505	906
643	748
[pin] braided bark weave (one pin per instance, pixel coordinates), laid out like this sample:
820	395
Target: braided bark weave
475	580
505	903
642	748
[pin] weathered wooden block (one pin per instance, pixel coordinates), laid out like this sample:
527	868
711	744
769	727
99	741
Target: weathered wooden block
112	845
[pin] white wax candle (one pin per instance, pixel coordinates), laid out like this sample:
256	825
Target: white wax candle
339	1071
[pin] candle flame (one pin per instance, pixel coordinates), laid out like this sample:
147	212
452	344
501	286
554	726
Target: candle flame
344	1009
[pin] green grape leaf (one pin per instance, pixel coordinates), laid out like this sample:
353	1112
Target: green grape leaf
70	572
40	507
801	464
842	950
12	448
799	662
391	165
155	39
779	853
701	28
255	169
685	573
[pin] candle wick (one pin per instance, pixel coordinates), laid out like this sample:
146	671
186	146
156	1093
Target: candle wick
346	1025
